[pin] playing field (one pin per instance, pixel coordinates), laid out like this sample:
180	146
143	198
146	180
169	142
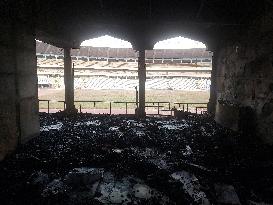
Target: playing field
119	95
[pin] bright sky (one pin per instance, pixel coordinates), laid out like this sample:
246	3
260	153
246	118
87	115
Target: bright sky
107	41
172	43
178	43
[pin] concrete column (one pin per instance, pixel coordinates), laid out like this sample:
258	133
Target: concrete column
142	80
213	86
68	81
19	116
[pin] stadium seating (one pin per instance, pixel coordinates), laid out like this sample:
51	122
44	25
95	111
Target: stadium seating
115	68
87	51
104	83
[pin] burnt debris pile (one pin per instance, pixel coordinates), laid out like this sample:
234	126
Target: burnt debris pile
91	159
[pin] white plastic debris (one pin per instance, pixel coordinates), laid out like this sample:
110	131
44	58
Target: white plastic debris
88	123
191	186
140	133
188	151
57	126
257	203
117	150
113	128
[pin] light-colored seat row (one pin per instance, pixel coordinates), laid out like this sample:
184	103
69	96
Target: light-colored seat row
104	83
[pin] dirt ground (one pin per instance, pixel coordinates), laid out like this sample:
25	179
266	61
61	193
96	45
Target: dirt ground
119	95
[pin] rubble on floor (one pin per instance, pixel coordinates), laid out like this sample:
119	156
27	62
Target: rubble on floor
88	159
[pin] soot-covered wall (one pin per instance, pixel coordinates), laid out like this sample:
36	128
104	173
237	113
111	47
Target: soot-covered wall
244	82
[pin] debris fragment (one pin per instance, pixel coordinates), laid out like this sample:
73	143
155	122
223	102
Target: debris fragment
188	151
191	186
83	176
226	194
53	188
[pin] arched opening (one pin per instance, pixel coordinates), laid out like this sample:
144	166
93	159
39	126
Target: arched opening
179	71
106	70
50	73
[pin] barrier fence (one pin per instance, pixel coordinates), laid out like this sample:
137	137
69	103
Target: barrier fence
160	106
188	105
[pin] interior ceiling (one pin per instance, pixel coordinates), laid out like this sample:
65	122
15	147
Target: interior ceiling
143	22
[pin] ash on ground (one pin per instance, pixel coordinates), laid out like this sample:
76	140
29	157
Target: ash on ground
89	159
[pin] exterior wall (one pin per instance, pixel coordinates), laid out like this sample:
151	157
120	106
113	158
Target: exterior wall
244	84
19	117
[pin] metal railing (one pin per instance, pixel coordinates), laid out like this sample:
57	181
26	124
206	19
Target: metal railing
82	101
155	104
47	104
158	105
126	104
187	106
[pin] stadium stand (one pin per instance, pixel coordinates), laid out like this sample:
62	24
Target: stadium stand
116	68
104	83
123	53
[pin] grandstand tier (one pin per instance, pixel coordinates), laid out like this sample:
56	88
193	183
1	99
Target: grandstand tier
116	68
106	83
119	53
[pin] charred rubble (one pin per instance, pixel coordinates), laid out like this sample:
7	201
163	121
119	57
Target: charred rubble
88	159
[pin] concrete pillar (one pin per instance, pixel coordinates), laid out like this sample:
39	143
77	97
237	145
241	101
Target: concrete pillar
68	81
213	86
142	79
19	116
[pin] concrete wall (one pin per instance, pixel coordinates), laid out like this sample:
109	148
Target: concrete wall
244	83
19	117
